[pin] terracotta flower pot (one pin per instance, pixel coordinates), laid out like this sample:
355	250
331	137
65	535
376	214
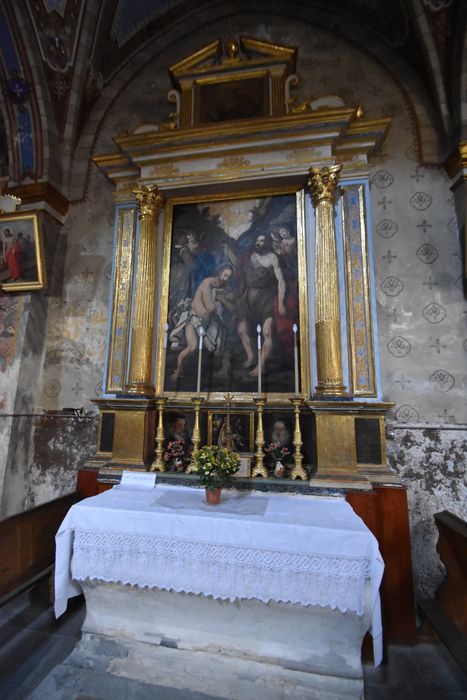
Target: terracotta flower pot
213	496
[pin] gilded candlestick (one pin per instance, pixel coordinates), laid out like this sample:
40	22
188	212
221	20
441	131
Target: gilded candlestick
259	468
228	428
298	472
196	435
158	464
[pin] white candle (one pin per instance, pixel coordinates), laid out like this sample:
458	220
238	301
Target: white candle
295	355
166	334
200	352
258	330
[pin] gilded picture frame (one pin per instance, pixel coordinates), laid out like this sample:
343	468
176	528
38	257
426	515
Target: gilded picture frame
215	241
241	428
22	261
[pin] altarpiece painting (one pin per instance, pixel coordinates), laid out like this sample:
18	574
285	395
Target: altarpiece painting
233	264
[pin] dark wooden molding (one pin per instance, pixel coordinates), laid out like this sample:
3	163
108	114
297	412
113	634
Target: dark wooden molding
41	192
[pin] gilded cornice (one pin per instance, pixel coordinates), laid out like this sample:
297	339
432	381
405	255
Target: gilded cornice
337	129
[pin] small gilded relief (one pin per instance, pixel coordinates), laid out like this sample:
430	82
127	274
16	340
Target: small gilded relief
163	170
233	162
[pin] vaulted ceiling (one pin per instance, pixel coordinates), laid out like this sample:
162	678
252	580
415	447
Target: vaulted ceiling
58	56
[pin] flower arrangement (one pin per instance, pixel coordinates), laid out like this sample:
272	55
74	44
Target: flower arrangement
276	452
215	466
174	452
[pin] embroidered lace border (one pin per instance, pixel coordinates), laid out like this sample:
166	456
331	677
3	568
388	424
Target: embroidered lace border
223	571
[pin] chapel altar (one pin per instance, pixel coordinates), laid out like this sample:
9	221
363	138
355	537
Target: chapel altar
243	308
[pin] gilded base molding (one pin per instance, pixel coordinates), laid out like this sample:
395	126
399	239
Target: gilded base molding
139	373
329	359
139	389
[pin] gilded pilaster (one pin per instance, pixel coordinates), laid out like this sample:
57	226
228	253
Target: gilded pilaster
322	184
123	282
186	107
150	203
277	93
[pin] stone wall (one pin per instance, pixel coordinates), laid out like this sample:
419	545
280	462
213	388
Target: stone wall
417	258
431	463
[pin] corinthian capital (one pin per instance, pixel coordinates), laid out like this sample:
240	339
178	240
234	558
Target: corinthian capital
149	201
323	182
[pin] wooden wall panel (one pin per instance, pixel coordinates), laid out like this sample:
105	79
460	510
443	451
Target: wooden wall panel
27	542
385	513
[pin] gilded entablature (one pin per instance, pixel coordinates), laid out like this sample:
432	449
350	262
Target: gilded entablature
233	112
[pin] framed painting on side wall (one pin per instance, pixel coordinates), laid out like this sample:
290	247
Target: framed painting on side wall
22	262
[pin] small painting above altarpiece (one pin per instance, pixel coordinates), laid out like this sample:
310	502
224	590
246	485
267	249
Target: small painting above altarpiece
225	100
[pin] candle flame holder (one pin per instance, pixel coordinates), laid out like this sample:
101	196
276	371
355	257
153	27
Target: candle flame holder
259	468
299	471
196	436
158	464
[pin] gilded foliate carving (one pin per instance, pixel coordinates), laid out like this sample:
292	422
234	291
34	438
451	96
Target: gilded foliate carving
323	182
149	201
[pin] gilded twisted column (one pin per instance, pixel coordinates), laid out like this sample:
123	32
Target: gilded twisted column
150	203
322	184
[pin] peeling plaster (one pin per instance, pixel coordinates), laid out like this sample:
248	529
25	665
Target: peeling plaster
432	464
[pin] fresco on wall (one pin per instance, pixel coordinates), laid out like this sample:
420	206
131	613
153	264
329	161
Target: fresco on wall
10	312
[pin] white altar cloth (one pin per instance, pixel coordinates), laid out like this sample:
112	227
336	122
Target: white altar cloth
283	548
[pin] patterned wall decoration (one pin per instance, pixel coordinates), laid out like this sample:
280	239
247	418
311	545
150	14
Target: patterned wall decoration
10	313
362	357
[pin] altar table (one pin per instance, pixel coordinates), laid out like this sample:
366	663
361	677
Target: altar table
274	548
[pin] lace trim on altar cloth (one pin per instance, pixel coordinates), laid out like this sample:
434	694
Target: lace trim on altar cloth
223	571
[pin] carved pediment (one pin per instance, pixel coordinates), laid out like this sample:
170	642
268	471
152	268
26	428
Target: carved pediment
232	81
218	58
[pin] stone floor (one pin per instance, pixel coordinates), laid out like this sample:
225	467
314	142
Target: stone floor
44	659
